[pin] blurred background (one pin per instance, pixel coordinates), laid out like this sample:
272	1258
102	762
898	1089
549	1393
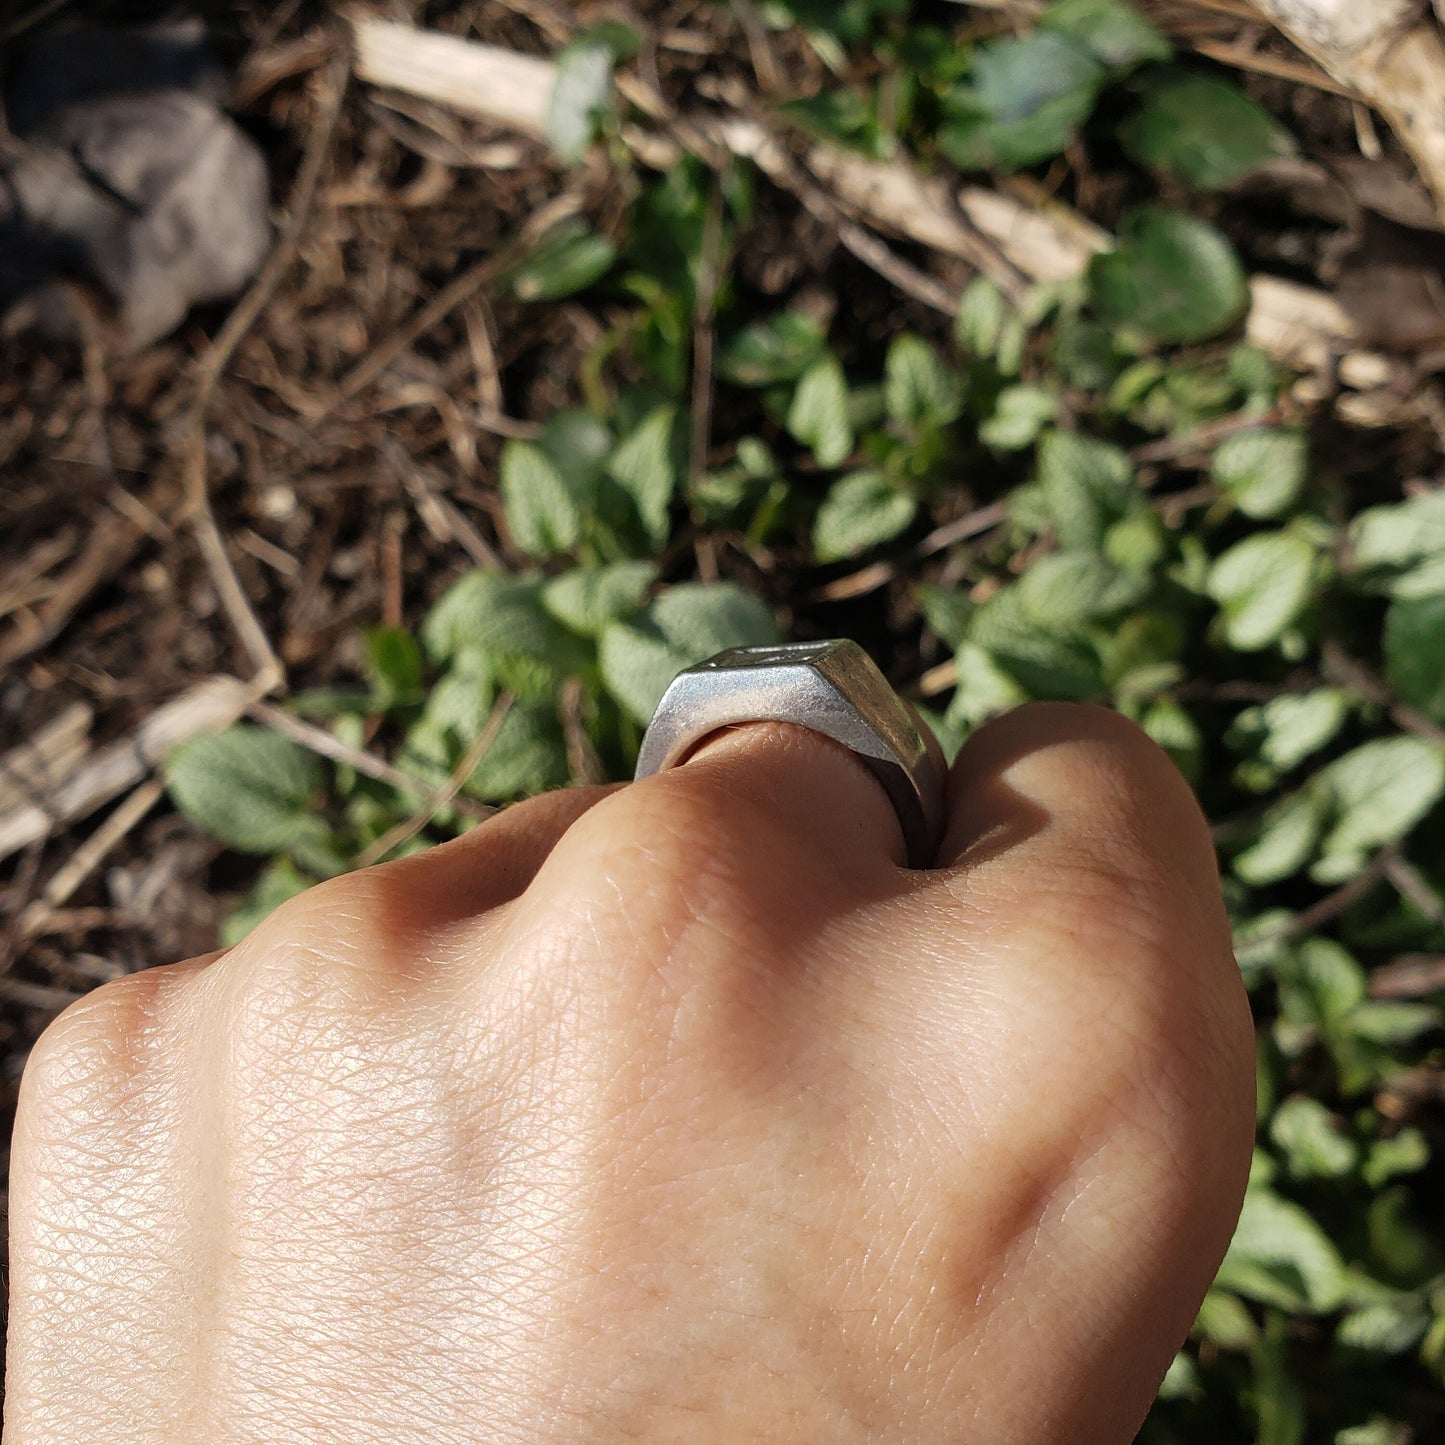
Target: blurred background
393	398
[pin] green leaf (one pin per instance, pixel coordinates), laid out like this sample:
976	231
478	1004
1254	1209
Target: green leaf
499	616
1288	729
860	511
685	625
393	663
647	465
527	756
1065	591
587	599
1114	33
1202	129
1225	1322
778	349
1173	727
1263	471
1415	652
249	787
818	417
1280	1256
578	445
568	261
1023	101
1391	1022
1378	792
1385	1327
542	515
637	666
1376	1431
918	389
280	881
1048	663
1086	486
1399	538
1280	1405
581	98
982	314
983	690
1402	1153
1173	278
1263	585
1322	984
1018	416
1309	1139
701	618
1288	838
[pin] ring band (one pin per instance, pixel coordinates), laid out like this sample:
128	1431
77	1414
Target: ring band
832	688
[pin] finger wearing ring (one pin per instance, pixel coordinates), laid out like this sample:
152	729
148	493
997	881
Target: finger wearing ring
831	688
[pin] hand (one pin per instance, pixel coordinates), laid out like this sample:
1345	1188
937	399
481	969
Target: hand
678	1111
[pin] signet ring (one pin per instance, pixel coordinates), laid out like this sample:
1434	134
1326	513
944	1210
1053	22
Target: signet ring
832	688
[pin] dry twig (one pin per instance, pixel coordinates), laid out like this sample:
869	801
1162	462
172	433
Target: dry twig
1015	239
439	797
217	357
93	779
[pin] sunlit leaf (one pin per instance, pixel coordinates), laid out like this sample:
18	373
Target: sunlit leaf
1171	277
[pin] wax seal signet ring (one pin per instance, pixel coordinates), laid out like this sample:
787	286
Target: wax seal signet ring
833	688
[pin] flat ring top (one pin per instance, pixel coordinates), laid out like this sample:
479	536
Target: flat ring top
832	688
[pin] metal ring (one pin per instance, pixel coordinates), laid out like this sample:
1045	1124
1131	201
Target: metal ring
832	688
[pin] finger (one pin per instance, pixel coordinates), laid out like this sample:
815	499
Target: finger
1109	988
488	865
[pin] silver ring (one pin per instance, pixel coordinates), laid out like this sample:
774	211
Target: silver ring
832	688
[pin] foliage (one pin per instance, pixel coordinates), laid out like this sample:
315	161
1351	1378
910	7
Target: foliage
1277	630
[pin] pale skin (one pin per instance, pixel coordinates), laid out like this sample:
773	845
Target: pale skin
674	1112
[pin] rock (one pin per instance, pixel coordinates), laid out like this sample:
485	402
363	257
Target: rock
129	173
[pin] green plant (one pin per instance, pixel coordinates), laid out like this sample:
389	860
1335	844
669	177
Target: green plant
1140	517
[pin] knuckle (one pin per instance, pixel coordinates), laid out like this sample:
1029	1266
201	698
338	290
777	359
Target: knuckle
104	1045
682	836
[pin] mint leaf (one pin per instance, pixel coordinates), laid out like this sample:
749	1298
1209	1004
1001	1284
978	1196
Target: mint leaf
542	515
860	511
1172	278
1202	129
1263	471
249	787
818	417
1263	584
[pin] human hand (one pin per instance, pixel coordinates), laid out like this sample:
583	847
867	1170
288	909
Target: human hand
678	1111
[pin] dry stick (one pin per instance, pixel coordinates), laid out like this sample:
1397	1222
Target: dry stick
327	745
440	797
1000	234
36	995
709	266
1313	918
1241	59
760	47
106	774
208	374
110	547
89	856
1412	975
453	294
439	514
1411	884
971	524
1339	665
1390	53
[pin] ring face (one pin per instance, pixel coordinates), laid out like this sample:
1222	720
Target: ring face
833	688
